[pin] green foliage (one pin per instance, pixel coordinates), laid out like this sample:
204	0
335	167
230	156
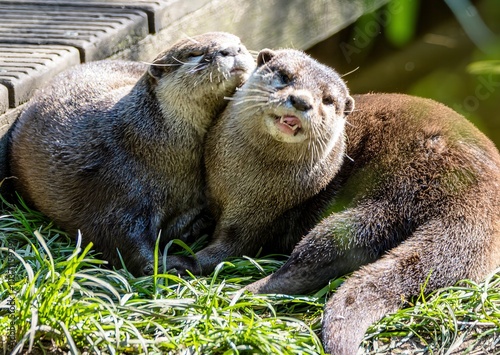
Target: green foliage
64	300
465	317
63	297
484	67
400	30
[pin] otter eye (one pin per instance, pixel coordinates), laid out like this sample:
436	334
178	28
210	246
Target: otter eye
284	77
328	100
195	54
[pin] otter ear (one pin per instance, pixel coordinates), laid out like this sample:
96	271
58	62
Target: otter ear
156	69
265	56
162	64
349	105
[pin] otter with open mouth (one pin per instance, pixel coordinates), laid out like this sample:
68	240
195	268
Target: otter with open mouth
412	195
278	143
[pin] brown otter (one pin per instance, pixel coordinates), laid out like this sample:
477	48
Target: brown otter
278	143
114	149
416	198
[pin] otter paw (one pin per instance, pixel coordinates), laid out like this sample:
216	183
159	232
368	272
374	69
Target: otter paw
182	264
265	285
148	269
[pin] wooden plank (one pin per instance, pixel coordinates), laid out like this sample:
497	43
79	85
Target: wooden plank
24	68
96	32
160	12
270	23
4	98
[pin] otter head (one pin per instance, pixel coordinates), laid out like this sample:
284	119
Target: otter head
200	70
298	105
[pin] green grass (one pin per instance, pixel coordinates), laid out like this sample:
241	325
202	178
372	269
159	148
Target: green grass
64	301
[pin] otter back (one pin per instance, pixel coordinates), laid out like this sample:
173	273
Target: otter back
114	149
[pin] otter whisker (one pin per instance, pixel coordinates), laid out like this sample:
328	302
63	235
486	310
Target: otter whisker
246	108
225	75
321	146
162	64
322	141
312	143
237	102
260	91
253	98
198	67
181	62
191	39
310	149
349	72
348	157
266	71
269	70
349	124
252	105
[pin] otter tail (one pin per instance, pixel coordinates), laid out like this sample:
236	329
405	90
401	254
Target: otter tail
438	254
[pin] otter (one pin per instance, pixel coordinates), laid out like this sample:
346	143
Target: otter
416	203
411	200
114	148
278	143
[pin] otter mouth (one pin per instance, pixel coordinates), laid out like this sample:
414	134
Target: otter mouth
290	125
238	70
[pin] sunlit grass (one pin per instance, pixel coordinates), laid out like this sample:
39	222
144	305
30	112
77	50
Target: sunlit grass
65	300
463	318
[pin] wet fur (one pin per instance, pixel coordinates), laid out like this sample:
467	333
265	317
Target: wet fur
412	198
114	149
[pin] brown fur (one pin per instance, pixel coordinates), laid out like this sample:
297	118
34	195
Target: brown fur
114	149
254	173
415	201
418	202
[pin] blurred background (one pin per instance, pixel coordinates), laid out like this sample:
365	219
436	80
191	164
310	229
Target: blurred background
448	50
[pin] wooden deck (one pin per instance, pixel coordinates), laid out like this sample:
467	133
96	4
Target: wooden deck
40	38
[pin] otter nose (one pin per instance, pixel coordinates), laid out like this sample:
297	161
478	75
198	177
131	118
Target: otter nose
301	102
232	51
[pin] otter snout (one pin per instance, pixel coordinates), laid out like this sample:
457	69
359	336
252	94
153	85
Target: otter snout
301	100
231	51
236	61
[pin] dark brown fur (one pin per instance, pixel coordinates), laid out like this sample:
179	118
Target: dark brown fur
114	149
416	200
